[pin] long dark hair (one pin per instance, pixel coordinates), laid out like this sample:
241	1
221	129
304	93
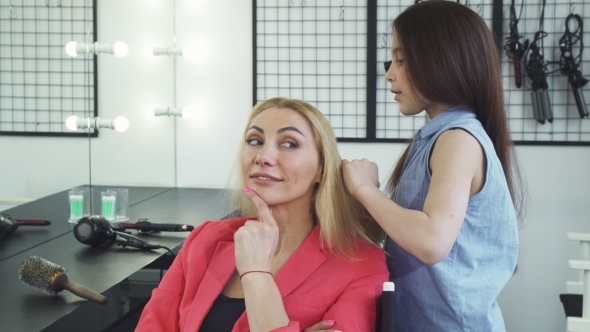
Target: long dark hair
450	58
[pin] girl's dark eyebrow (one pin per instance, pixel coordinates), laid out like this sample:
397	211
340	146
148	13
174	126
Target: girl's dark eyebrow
278	131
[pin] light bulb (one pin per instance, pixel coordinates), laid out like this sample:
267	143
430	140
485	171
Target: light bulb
149	51
71	123
150	113
121	123
120	49
71	49
189	112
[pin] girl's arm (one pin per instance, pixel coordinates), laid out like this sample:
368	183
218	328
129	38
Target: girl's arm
457	166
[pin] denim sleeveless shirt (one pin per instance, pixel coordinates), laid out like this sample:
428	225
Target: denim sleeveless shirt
458	293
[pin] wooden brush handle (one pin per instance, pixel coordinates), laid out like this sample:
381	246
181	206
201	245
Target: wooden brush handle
62	282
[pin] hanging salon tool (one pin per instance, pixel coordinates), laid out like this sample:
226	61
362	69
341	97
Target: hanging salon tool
8	225
514	48
536	69
569	64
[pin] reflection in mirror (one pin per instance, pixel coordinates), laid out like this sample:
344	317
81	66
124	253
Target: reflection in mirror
40	86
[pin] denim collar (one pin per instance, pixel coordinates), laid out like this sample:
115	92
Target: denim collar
442	119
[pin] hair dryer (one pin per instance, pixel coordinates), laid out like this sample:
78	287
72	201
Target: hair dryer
96	230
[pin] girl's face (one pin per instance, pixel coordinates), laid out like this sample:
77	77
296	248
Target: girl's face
410	102
280	160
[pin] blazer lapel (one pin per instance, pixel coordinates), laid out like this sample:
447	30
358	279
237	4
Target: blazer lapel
221	267
304	261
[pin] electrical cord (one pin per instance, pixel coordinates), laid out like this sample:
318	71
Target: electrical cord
162	261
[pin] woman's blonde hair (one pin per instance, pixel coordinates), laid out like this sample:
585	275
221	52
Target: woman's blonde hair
340	216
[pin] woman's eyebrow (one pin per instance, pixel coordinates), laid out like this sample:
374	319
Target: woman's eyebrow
282	130
257	129
290	128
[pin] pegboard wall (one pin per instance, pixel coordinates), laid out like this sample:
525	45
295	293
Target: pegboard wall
331	54
40	86
315	51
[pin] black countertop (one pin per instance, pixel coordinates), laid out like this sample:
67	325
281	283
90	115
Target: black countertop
98	268
55	208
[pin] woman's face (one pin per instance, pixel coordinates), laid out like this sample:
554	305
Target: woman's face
280	161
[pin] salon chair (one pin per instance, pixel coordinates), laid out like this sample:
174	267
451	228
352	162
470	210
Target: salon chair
385	309
576	302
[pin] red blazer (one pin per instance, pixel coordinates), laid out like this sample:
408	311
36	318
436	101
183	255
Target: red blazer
314	284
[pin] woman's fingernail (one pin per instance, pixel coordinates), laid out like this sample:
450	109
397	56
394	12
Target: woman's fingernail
330	321
247	189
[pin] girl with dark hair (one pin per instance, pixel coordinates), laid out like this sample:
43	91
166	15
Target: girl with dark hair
454	195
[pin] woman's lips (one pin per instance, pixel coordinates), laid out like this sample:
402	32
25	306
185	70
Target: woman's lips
264	178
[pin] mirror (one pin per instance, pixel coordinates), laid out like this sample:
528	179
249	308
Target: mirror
41	86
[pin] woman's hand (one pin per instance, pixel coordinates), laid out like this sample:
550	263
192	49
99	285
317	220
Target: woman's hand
256	241
323	326
359	173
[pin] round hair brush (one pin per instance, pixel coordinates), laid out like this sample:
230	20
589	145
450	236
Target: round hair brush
51	278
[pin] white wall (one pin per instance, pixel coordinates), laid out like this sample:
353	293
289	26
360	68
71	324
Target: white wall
220	85
143	155
558	182
34	167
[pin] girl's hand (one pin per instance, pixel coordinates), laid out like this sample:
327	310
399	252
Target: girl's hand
323	326
256	241
359	173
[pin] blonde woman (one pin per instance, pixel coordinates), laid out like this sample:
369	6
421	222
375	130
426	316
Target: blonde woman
309	252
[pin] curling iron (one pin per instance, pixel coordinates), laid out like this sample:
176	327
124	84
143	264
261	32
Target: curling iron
569	64
8	225
143	225
514	48
536	69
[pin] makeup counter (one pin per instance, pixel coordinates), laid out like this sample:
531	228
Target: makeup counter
125	275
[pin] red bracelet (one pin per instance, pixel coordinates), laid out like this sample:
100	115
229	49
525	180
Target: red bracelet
243	274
